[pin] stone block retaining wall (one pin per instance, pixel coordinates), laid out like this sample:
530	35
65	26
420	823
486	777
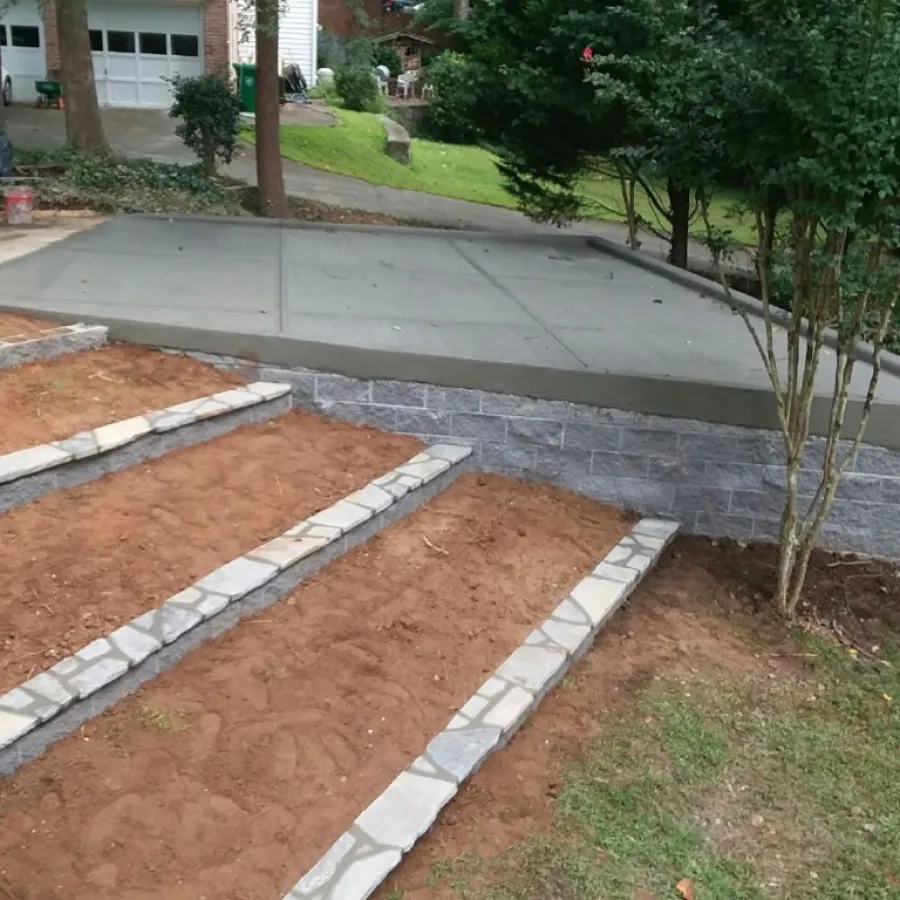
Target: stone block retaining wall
717	480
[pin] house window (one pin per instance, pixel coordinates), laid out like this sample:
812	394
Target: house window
96	41
120	41
25	36
185	45
153	44
2	35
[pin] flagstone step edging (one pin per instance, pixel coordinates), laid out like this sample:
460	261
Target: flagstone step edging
361	858
60	700
65	339
28	474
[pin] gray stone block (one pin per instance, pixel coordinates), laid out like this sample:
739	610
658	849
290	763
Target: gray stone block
878	461
534	431
509	709
600	597
562	465
398	393
455	399
462	752
507	457
405	810
708	446
735	475
649	442
690	498
680	469
238	577
361	413
97	675
537	669
578	436
338	387
424	421
619	465
890	490
511	405
303	384
868	488
481	427
717	525
760	447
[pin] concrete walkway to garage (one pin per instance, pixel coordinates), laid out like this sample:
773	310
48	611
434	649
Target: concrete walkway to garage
151	133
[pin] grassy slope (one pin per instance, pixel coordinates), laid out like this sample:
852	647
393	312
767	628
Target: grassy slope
356	149
752	791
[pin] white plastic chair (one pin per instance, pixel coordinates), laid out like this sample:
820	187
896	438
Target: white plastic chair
406	84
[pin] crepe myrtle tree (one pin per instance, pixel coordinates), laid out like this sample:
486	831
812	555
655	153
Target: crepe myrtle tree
805	103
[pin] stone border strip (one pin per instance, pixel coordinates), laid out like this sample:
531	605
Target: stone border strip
56	702
363	856
65	339
28	474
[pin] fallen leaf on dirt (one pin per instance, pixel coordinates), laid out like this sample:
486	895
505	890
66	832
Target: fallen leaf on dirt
888	698
685	887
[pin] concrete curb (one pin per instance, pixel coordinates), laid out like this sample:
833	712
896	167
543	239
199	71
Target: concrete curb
864	352
28	474
362	857
68	339
56	702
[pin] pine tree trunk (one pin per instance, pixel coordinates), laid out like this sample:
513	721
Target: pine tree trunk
680	205
84	127
269	176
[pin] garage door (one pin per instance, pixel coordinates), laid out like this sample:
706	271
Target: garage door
135	49
22	47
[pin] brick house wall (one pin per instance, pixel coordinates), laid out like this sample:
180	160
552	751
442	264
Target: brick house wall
216	30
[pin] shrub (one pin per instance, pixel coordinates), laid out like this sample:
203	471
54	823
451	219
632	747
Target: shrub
449	111
357	88
383	55
210	114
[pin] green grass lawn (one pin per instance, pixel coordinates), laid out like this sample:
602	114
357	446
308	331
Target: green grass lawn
356	148
753	789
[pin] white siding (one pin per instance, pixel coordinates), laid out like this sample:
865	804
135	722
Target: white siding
296	37
25	64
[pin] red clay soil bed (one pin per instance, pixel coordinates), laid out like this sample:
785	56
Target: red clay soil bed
46	401
704	613
81	562
16	327
229	775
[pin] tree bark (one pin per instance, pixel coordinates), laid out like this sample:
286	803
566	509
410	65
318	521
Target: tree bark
461	9
84	127
680	206
269	175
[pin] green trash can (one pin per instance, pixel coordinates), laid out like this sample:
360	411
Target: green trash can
246	86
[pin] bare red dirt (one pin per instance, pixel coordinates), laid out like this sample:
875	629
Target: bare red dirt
229	775
16	327
81	562
46	401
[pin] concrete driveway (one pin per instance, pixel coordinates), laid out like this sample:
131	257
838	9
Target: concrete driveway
131	132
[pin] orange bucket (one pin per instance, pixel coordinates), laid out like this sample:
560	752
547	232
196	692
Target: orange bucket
19	205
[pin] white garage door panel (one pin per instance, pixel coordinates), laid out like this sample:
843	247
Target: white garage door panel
19	25
134	51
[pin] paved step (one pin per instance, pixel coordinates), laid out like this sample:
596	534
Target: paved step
273	738
61	699
364	855
32	346
26	475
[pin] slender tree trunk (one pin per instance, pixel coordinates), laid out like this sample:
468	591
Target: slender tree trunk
269	175
84	127
461	9
680	206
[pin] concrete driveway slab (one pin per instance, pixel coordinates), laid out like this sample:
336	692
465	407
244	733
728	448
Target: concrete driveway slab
524	315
